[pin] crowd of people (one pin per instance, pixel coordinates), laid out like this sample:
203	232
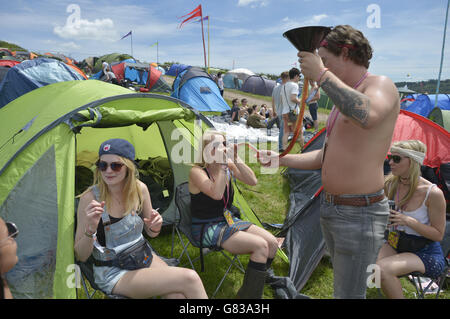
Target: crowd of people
283	110
354	212
256	116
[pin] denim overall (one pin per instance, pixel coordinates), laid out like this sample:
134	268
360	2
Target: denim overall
118	236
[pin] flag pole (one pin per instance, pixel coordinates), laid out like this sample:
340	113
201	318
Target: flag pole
442	57
157	45
209	57
203	36
132	44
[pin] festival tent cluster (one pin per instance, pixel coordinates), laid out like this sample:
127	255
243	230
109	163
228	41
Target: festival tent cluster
32	74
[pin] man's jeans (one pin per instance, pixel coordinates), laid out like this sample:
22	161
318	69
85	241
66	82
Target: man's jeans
354	236
280	136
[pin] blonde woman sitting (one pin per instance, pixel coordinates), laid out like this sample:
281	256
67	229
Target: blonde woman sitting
110	219
212	222
417	224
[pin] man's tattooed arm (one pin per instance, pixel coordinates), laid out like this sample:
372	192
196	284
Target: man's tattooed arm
350	102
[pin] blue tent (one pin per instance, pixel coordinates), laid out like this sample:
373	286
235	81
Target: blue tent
127	69
176	69
196	87
423	103
32	74
231	81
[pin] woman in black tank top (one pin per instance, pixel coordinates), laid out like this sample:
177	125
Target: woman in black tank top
213	223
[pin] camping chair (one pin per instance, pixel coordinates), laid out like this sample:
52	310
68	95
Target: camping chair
183	225
87	273
416	277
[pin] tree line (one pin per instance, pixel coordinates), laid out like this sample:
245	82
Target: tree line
427	87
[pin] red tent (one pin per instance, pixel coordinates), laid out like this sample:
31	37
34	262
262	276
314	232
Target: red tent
411	126
8	63
155	82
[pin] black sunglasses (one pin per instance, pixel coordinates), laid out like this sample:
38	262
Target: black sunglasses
13	231
103	166
395	158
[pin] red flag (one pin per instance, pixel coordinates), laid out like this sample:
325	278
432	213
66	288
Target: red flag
197	12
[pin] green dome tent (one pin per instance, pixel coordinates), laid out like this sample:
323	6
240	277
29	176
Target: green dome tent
110	58
441	117
42	140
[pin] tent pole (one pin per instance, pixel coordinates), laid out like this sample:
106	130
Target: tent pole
442	56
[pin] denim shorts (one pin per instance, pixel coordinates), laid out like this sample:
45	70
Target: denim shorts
353	236
433	259
216	233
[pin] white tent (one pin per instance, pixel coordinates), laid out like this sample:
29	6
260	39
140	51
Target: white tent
241	73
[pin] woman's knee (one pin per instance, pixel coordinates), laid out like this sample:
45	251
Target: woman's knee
261	246
191	277
386	269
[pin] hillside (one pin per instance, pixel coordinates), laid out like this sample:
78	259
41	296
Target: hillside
11	46
428	87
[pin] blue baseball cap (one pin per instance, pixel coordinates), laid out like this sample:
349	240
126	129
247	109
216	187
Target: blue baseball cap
117	146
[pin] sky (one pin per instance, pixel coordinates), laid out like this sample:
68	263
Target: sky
406	35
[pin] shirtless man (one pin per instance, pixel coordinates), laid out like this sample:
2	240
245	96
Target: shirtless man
354	210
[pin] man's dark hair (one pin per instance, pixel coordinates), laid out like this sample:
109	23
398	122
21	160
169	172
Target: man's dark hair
345	36
293	73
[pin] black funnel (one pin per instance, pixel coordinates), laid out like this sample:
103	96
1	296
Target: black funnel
307	38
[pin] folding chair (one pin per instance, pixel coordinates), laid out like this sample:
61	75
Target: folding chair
183	226
87	273
416	277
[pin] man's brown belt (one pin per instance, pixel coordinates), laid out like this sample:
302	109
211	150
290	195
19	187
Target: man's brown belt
364	200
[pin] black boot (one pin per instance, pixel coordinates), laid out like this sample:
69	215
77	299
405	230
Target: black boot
253	285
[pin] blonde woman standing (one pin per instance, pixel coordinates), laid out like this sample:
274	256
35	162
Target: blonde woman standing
417	223
111	217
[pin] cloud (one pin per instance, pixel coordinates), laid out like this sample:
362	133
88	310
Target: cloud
253	3
100	30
